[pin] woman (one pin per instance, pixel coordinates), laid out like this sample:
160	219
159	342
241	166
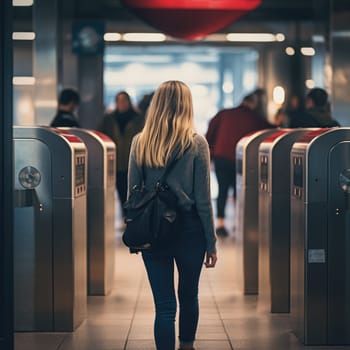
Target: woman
121	126
168	129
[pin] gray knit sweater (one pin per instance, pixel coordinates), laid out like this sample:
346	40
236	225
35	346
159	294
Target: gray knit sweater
189	179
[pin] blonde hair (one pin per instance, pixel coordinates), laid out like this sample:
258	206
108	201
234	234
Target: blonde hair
169	124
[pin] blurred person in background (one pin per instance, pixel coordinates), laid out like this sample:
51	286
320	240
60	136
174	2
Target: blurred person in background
121	125
144	103
261	102
68	102
281	118
224	131
293	108
317	113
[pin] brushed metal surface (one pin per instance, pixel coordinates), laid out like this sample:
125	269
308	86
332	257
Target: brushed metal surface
100	211
50	250
33	240
247	205
274	222
338	247
320	224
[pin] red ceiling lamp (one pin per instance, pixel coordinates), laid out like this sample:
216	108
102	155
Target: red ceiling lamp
191	19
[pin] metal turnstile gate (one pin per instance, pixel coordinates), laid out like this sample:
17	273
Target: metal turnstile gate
320	237
247	151
100	210
49	229
274	219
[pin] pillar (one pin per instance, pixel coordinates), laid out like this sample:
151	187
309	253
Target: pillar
45	60
6	202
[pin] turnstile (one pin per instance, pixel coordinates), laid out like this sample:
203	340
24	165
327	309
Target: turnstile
274	219
320	237
49	229
247	151
100	209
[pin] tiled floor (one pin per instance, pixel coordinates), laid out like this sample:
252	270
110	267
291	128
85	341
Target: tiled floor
124	319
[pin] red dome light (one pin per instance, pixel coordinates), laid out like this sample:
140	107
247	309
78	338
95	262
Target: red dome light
191	19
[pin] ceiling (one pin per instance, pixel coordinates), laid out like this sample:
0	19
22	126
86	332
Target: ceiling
114	9
270	11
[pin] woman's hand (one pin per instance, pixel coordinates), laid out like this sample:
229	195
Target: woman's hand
210	260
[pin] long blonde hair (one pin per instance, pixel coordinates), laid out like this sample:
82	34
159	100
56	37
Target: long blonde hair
169	124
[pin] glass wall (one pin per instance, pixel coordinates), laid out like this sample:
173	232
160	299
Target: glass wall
218	77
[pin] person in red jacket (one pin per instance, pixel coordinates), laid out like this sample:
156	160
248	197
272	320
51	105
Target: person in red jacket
225	130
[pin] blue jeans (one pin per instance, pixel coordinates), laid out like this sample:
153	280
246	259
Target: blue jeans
188	254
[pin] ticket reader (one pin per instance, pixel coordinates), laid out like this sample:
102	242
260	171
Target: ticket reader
100	209
49	229
247	152
274	219
320	237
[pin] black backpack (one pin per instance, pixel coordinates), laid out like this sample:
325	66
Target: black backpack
151	215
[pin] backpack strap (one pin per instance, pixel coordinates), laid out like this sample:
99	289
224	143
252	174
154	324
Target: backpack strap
166	172
169	166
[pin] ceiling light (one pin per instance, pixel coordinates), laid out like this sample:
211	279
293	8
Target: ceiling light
45	103
215	37
254	37
278	95
307	51
290	51
130	58
341	34
309	83
23	80
23	36
144	37
22	2
112	37
227	87
280	37
318	39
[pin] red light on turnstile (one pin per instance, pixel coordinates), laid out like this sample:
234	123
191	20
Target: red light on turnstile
191	19
312	134
276	135
67	135
101	135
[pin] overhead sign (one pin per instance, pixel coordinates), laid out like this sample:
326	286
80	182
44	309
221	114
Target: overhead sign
87	37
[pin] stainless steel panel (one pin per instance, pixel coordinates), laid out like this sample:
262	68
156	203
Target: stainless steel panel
264	233
80	260
69	249
320	242
109	219
33	240
308	279
56	258
96	242
339	245
315	311
297	256
247	205
274	220
100	208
